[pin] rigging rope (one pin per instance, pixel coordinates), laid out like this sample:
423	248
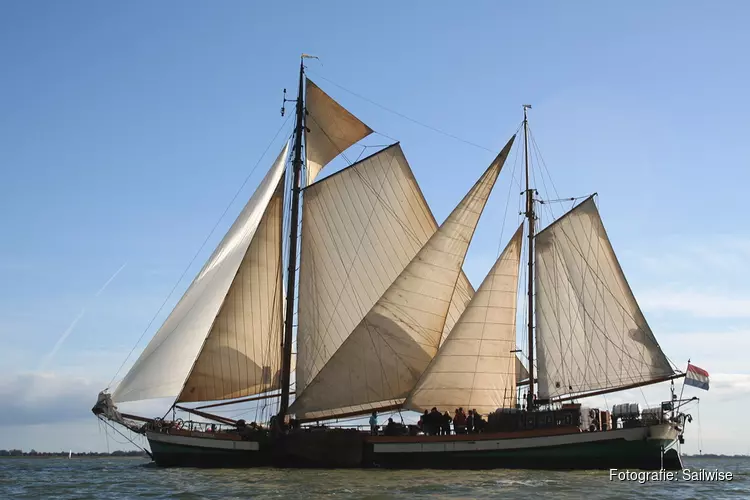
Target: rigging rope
123	435
401	115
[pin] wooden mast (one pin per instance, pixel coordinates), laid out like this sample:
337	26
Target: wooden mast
286	358
530	218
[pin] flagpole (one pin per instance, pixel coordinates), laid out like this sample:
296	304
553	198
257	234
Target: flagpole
683	382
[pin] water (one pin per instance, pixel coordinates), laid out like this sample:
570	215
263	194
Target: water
124	478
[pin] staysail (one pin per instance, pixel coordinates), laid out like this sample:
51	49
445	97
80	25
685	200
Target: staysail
476	366
591	334
361	227
250	248
381	360
330	129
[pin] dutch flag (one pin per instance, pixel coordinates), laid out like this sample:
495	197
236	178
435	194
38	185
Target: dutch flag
697	377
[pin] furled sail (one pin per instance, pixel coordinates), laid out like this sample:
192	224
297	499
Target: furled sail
476	366
390	348
165	364
330	129
361	227
591	334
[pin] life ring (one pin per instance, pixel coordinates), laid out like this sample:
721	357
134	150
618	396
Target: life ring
178	424
592	414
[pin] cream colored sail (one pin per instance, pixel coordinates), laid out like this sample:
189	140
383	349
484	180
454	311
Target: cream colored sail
476	366
241	355
330	129
361	227
390	348
164	366
522	373
591	333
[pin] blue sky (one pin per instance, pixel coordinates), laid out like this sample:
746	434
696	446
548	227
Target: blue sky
125	129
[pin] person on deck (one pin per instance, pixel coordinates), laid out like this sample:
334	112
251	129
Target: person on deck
422	424
479	423
446	428
470	423
435	421
391	428
374	424
459	421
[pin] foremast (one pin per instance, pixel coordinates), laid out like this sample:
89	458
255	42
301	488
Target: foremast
530	290
286	357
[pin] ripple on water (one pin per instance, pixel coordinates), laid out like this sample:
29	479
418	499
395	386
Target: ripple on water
128	478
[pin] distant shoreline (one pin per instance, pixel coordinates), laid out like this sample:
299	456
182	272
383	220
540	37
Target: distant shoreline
39	454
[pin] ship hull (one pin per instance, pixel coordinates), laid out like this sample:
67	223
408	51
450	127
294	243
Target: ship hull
647	448
205	451
636	448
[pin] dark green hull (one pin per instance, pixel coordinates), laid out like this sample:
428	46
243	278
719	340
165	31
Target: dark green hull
616	454
639	448
179	452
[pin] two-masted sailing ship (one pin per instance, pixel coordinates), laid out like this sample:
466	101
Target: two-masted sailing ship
363	308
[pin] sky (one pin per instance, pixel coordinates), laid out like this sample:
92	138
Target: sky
127	128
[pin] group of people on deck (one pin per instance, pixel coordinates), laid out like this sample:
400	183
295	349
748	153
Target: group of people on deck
434	423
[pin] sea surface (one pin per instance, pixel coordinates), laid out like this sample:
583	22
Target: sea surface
115	478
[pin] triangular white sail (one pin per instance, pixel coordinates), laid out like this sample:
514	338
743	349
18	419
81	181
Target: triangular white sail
476	366
241	355
163	367
522	373
591	334
330	129
360	228
390	348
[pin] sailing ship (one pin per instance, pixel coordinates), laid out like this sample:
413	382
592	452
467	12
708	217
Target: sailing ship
385	320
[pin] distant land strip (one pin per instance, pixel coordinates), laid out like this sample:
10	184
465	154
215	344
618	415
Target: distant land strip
58	454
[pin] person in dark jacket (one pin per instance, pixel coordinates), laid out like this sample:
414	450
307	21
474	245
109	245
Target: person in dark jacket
435	421
446	424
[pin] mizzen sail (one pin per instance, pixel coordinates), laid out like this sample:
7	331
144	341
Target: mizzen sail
476	366
591	334
382	359
165	364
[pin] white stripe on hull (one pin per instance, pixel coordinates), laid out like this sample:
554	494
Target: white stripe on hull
661	432
199	442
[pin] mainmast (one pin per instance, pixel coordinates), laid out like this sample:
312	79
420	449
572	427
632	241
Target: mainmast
286	358
530	218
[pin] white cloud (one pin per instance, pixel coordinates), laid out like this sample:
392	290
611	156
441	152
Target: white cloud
734	384
716	351
39	398
695	303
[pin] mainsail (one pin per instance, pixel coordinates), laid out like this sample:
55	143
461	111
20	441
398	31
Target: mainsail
203	341
591	334
330	129
382	359
476	366
361	227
